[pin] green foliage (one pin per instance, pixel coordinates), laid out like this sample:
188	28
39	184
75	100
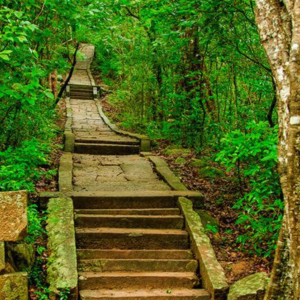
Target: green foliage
22	166
35	225
213	229
252	155
64	294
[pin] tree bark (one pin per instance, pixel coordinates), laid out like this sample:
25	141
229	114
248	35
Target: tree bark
279	27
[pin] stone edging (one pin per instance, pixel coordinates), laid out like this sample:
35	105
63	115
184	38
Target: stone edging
65	173
165	172
92	80
62	263
145	142
69	137
212	274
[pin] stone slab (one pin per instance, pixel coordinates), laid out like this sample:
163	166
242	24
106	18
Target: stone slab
14	286
212	273
62	263
13	212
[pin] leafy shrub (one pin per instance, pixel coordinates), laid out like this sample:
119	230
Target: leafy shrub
252	155
20	167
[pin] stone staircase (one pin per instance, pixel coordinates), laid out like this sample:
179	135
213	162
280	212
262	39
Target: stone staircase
132	242
134	248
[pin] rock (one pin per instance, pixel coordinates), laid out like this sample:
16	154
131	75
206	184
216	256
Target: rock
211	173
206	218
22	255
177	152
2	256
14	286
249	288
199	163
180	161
13	212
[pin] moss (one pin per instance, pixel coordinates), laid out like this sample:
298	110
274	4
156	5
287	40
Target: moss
177	152
199	163
180	161
211	172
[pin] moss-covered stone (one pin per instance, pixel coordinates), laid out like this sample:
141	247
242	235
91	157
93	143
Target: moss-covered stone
250	287
62	263
22	255
207	218
180	161
211	173
14	286
177	152
199	163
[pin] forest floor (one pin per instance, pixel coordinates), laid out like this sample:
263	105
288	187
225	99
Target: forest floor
220	194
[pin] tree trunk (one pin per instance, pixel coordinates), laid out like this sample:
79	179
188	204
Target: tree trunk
279	27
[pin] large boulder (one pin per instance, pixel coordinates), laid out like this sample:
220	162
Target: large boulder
252	287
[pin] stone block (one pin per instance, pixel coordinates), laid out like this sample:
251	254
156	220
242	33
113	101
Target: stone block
14	286
13	212
250	287
22	255
2	256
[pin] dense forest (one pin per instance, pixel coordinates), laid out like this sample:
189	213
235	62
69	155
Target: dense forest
192	75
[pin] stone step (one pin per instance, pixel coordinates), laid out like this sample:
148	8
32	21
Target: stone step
145	280
106	140
137	265
127	212
124	238
81	91
80	87
82	97
124	201
155	294
134	254
106	149
130	221
81	94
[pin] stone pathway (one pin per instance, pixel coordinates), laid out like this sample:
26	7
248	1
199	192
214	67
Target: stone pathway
131	242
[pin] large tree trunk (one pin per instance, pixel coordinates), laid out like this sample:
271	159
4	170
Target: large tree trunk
279	27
